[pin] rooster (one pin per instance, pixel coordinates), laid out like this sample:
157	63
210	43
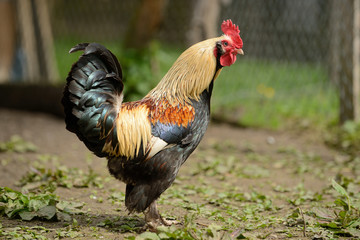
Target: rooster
146	141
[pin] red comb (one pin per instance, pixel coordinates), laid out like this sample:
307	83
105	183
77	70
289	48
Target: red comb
232	31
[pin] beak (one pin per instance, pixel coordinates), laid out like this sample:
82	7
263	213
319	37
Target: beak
240	51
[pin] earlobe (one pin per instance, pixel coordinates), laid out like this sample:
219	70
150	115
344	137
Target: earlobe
215	52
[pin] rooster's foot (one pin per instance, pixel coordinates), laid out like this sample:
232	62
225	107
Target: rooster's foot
154	219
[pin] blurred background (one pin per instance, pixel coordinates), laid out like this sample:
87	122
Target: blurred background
300	68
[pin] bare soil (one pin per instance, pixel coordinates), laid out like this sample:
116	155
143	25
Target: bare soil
267	160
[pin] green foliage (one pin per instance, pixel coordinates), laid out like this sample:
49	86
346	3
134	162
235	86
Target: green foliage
16	204
62	176
68	233
346	137
45	206
24	233
343	218
189	231
123	224
218	166
274	94
118	199
17	144
140	71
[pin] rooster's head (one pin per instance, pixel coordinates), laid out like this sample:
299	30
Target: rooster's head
230	44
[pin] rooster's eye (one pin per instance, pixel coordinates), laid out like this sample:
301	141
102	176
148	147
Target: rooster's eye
225	43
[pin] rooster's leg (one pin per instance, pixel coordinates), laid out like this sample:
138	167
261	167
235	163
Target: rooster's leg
153	217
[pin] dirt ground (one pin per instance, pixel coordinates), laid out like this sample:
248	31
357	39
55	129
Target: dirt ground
257	165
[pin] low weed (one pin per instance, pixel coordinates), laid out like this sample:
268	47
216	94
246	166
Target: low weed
345	137
40	178
17	144
343	217
47	206
24	232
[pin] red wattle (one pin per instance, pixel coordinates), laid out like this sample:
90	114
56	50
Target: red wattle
227	59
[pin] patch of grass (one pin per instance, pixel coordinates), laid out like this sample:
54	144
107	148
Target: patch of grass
299	195
268	94
17	144
342	218
45	178
189	231
349	216
23	232
345	138
224	167
118	199
68	233
123	224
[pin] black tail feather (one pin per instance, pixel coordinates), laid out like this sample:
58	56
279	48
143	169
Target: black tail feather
94	86
107	57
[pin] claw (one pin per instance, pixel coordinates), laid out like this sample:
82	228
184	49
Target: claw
166	222
154	219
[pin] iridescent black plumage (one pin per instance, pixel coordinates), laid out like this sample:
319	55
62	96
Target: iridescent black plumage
89	96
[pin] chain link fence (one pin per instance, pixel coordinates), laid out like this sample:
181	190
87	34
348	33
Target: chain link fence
301	53
286	30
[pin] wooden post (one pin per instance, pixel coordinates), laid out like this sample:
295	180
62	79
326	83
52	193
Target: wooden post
47	40
356	60
28	40
37	41
345	57
7	39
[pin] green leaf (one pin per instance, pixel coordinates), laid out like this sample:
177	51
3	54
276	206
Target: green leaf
47	212
332	225
353	232
2	206
70	207
241	236
341	203
61	216
163	235
12	195
36	204
324	213
339	189
147	236
26	215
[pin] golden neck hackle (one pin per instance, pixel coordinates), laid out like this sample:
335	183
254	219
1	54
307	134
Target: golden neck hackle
190	75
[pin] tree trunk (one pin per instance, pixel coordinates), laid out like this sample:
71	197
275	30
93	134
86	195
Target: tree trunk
145	23
204	20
